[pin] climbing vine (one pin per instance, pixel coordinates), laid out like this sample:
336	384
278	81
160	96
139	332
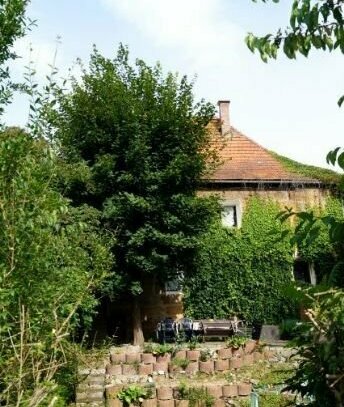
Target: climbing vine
243	271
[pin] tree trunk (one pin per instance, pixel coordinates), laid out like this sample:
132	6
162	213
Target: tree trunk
137	323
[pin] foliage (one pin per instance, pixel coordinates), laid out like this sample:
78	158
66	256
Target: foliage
243	272
145	144
179	362
236	341
288	328
197	396
51	262
133	395
205	355
313	24
13	25
270	400
322	174
158	348
320	345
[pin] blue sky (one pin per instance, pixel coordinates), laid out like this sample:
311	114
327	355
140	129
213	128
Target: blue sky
287	106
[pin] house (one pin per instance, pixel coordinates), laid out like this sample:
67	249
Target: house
246	169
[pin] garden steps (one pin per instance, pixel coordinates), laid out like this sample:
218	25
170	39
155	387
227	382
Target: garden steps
128	366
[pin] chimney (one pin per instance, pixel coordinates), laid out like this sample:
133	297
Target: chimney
224	117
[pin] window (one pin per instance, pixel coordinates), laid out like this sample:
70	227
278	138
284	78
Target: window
304	272
231	215
174	286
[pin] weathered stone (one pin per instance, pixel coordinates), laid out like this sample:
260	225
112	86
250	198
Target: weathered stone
214	390
221	365
160	366
128	370
192	368
230	390
149	403
132	358
166	403
145	370
244	389
114	370
114	403
163	358
206	367
250	346
164	393
224	353
235	363
113	390
148	358
117	358
181	354
192	355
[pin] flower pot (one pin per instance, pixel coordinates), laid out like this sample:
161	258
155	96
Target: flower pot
192	368
160	367
114	370
129	370
192	354
235	363
117	358
250	346
230	390
180	354
206	367
163	358
164	393
145	370
148	358
132	358
224	353
221	365
244	389
214	390
149	403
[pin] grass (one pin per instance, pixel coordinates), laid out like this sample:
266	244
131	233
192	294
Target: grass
270	400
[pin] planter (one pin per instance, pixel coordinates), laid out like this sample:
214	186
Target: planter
244	389
114	370
219	403
174	369
129	370
133	358
236	352
235	363
193	354
117	358
224	353
160	367
192	368
250	346
230	390
145	370
206	367
163	358
165	403
214	390
181	354
221	365
149	403
148	358
164	393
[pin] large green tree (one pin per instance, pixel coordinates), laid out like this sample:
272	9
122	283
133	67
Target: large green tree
13	25
145	144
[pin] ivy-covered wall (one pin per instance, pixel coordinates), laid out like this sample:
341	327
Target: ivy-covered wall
245	271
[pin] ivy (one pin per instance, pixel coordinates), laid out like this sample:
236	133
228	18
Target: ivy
245	271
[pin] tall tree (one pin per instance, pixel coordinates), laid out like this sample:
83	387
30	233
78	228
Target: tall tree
13	25
145	143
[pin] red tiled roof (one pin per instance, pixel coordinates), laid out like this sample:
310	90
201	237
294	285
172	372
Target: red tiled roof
242	159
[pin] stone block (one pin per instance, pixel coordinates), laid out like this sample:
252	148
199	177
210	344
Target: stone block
148	358
224	353
237	352
129	370
250	346
160	366
132	358
145	370
163	358
221	365
193	355
219	403
112	391
230	390
182	403
113	370
206	367
117	358
244	389
214	390
180	354
166	403
114	403
235	363
164	393
88	397
192	368
149	403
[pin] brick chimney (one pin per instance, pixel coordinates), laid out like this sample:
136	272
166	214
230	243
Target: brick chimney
224	117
